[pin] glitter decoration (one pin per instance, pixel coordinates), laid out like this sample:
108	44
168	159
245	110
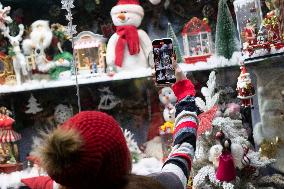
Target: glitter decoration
68	5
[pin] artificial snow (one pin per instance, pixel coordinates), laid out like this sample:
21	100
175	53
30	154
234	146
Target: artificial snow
82	79
147	166
213	62
262	52
13	180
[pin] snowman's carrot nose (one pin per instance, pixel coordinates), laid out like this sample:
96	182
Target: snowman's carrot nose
121	16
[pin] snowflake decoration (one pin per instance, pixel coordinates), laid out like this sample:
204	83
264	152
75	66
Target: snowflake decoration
68	5
71	29
69	16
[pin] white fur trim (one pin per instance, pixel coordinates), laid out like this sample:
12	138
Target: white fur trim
214	153
172	168
238	154
155	2
130	8
27	46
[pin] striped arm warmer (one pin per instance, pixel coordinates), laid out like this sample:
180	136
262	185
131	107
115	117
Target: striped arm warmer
184	137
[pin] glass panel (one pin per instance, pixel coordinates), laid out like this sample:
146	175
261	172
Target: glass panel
204	36
194	45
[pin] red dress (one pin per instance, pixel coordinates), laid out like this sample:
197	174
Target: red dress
226	170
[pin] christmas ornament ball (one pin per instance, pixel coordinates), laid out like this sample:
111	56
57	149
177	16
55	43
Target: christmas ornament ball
62	113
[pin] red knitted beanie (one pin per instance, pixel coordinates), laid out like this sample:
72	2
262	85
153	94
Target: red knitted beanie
102	157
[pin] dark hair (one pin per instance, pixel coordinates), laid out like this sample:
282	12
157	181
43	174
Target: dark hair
142	182
131	182
229	143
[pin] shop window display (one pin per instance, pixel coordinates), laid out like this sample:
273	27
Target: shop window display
70	70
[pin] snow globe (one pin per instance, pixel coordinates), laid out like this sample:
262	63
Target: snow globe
260	27
89	52
197	41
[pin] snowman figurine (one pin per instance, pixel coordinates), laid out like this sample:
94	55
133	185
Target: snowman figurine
129	48
168	98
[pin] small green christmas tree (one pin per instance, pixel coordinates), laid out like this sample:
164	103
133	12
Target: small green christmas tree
226	36
171	34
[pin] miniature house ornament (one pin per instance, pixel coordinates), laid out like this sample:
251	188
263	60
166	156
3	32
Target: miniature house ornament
197	41
89	52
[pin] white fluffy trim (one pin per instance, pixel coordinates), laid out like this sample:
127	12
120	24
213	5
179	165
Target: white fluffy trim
130	8
27	46
155	2
238	154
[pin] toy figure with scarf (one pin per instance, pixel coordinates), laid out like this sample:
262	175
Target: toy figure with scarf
129	48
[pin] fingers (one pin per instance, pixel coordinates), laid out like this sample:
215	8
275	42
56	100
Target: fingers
174	61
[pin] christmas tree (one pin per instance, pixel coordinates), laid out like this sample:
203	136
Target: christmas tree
209	171
226	35
33	106
171	34
132	145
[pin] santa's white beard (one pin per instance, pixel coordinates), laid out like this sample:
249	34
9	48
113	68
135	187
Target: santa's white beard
41	38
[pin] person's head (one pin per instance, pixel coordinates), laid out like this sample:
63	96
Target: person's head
87	151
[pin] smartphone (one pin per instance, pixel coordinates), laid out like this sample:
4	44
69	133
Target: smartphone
163	53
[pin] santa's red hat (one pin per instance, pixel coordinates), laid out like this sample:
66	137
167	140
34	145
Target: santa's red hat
129	6
244	71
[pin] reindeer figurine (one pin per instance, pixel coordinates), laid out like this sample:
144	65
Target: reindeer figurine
19	61
4	18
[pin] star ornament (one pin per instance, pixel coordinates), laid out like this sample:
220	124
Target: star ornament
205	120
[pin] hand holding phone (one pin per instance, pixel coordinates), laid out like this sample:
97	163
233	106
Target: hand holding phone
163	54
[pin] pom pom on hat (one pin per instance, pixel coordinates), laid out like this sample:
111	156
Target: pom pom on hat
87	150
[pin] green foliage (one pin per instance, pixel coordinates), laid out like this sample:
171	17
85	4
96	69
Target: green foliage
11	52
55	72
171	34
226	36
64	55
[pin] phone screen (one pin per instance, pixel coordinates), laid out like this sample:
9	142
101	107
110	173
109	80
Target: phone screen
163	53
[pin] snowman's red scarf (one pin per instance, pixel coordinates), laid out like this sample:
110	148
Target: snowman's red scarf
127	35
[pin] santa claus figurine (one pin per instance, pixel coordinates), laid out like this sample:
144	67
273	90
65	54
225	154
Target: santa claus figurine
245	88
129	48
249	33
